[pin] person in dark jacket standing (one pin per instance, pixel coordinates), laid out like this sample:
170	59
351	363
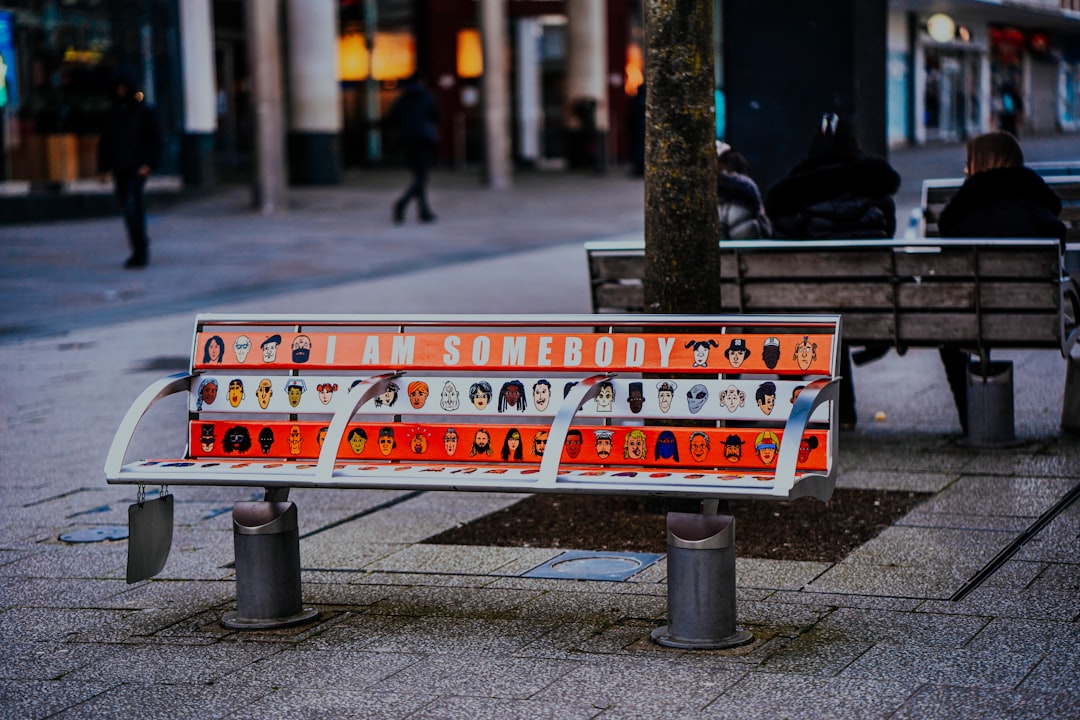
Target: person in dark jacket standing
415	114
999	198
742	213
130	149
837	192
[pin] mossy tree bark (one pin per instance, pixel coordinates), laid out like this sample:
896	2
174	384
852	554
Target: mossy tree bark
682	261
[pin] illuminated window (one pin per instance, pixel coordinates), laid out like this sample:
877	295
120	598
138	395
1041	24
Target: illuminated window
395	56
470	54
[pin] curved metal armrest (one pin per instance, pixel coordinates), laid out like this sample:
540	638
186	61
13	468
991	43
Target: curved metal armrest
580	394
345	407
179	382
815	393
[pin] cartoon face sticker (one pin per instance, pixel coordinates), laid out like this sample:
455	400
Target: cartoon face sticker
665	392
605	398
450	441
296	440
448	399
263	391
696	397
236	391
795	392
737	352
269	348
634	447
480	394
766	445
511	449
241	346
206	439
573	443
419	444
701	351
326	392
808	445
766	397
301	349
732	398
541	392
481	444
388	396
357	438
295	389
387	443
770	352
214	350
603	443
699	446
666	447
207	393
237	439
540	438
805	353
418	393
266	440
512	395
320	437
635	397
733	448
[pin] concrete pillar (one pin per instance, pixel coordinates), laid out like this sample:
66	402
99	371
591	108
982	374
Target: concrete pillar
586	73
314	139
200	115
264	53
496	94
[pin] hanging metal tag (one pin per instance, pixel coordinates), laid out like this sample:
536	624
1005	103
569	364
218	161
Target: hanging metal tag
150	530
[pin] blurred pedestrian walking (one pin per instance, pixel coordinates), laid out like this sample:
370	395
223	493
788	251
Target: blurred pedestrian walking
837	192
742	212
415	115
130	149
999	198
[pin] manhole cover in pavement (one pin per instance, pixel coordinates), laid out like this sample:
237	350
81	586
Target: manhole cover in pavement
593	565
96	534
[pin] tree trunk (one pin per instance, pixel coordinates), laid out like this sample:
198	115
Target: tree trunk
682	260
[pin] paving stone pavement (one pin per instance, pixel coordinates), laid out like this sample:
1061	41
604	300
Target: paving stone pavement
409	630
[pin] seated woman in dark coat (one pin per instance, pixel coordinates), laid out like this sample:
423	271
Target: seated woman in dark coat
999	198
742	213
837	192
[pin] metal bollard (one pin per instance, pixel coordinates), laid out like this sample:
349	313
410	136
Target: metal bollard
267	541
990	406
701	584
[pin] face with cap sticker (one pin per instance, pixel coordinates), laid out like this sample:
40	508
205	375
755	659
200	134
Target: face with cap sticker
603	444
770	353
696	397
766	445
665	393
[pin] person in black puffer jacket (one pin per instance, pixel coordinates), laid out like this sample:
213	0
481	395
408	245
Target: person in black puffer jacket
742	214
999	198
837	192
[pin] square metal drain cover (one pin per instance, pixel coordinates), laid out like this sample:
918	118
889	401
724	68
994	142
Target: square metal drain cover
593	565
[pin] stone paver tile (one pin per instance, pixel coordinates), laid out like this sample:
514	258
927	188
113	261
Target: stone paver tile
816	652
182	701
903	628
48	592
668	686
45	698
191	595
895	480
765	696
56	624
568	641
181	664
476	708
993	496
1023	635
333	704
947	666
1037	604
491	677
835	600
449	559
1059	576
455	602
927	581
930	546
452	635
592	607
1056	673
46	660
776	574
340	668
938	702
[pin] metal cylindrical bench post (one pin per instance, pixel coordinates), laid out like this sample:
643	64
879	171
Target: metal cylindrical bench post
267	541
990	405
701	584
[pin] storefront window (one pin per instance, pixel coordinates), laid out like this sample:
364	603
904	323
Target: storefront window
61	59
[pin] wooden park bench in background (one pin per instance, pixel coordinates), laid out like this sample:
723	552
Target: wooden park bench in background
617	405
974	294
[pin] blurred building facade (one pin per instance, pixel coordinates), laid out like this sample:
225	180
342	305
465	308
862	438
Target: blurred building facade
572	65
